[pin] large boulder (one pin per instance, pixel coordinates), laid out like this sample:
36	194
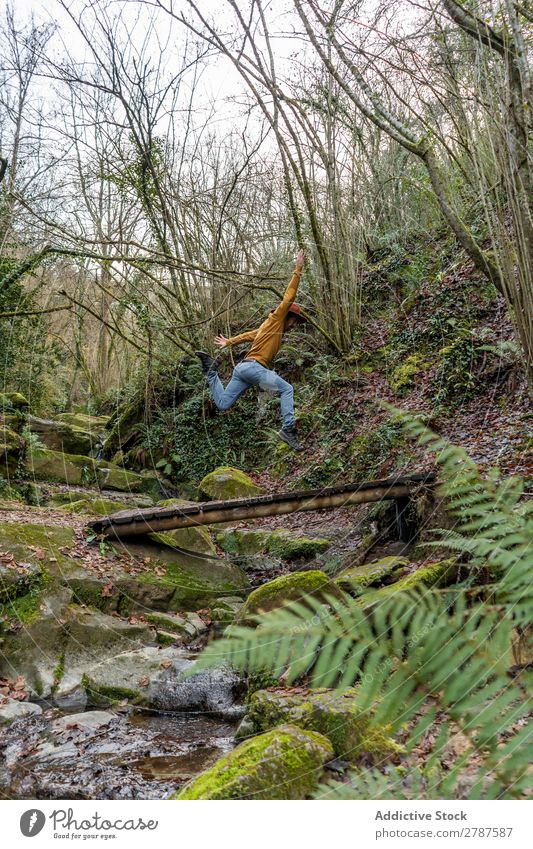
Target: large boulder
94	506
195	539
48	465
281	543
80	470
34	651
176	581
285	763
227	483
92	424
333	713
439	573
356	579
61	436
294	587
14	401
163	679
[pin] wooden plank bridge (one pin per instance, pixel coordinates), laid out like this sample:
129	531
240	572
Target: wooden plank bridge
128	523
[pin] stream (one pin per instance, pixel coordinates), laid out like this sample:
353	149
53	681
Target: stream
108	754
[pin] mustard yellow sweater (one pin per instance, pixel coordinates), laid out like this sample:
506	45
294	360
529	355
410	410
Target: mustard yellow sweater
268	337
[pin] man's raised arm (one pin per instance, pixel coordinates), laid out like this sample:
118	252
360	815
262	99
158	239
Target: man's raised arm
290	293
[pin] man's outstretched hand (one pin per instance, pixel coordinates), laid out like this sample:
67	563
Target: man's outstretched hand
221	341
300	259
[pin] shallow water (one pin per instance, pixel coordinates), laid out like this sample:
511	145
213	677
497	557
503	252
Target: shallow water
135	756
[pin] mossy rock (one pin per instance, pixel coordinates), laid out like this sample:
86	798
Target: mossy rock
333	713
14	401
92	424
60	436
191	539
356	579
177	581
285	763
294	587
283	544
35	650
226	483
95	506
40	545
48	465
440	573
80	470
113	477
11	452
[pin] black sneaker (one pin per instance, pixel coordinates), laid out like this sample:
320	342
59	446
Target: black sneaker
209	364
288	435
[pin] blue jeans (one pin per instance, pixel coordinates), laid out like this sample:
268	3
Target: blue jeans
251	373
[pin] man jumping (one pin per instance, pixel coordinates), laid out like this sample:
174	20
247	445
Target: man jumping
254	369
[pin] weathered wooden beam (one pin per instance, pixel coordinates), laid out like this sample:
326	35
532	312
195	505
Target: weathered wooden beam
129	523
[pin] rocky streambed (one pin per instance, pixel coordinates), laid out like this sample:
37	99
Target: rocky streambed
103	754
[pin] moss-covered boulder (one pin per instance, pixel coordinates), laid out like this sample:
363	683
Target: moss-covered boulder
294	587
11	452
226	483
92	424
35	649
283	544
41	545
285	763
94	506
333	713
190	539
61	436
109	476
440	573
356	579
175	581
48	465
14	401
79	470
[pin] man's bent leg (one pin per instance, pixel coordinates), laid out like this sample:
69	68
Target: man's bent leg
225	398
272	382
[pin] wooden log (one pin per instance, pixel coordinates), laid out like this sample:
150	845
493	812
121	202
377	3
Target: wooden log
129	523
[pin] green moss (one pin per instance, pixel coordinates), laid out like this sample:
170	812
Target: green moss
21	540
95	506
13	401
226	483
441	573
26	608
282	544
59	671
196	582
333	713
403	375
293	587
282	764
356	579
191	539
103	694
